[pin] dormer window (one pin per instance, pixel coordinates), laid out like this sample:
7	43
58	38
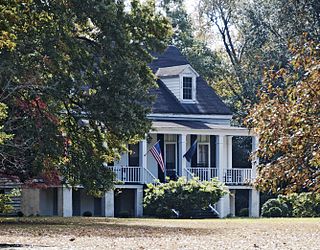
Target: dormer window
187	88
181	81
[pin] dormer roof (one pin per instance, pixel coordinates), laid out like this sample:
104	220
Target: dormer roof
174	70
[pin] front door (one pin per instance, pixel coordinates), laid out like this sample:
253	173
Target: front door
170	161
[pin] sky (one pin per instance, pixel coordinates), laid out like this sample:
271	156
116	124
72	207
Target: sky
190	5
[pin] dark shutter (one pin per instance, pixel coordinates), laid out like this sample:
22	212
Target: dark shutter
134	155
160	137
213	151
178	154
194	160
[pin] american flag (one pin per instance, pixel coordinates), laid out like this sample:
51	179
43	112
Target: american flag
156	152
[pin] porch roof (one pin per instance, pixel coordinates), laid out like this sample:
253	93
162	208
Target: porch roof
197	127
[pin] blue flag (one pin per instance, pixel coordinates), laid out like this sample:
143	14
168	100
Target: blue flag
188	155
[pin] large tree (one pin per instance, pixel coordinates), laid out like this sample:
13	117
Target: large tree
287	118
255	36
189	41
74	76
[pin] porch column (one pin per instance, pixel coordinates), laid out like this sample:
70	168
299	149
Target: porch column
233	202
221	156
223	206
254	203
65	201
229	153
108	205
182	151
139	202
255	159
143	157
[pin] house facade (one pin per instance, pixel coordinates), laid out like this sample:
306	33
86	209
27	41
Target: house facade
186	110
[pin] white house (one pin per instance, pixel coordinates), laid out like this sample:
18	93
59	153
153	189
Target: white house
186	109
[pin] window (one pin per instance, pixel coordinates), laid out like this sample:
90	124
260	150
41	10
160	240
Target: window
203	159
187	88
203	138
170	138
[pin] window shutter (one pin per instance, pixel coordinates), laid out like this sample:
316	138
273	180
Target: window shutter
194	157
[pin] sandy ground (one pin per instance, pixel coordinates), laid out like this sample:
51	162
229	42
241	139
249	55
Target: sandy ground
101	233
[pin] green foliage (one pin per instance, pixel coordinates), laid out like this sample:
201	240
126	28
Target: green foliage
296	205
181	195
255	35
305	204
3	114
5	199
274	208
287	120
75	78
204	60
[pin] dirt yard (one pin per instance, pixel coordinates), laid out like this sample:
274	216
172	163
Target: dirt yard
102	233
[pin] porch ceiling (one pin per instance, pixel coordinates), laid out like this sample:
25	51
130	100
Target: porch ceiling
197	127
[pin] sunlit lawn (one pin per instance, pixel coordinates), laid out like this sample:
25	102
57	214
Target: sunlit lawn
102	233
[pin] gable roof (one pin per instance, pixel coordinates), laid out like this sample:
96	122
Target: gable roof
174	70
208	102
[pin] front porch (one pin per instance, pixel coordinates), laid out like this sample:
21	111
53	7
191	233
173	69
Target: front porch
219	154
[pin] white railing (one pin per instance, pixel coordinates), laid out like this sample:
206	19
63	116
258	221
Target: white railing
204	174
149	177
234	176
190	175
128	173
238	176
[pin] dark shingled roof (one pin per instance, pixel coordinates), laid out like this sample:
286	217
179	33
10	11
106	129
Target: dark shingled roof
208	101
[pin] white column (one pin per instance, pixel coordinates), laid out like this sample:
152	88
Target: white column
182	151
255	159
221	156
143	158
254	203
233	202
229	153
139	202
109	204
224	206
65	201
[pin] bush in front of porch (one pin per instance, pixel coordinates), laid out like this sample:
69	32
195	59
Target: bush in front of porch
183	196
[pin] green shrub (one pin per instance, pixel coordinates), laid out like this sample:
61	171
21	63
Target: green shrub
297	205
244	212
275	208
181	195
305	204
5	199
275	212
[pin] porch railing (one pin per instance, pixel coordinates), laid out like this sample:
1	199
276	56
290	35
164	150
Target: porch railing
236	176
204	174
128	174
149	177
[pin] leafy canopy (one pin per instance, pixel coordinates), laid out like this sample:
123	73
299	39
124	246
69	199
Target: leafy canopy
75	79
287	119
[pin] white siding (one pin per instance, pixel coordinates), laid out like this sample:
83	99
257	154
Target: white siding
173	84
